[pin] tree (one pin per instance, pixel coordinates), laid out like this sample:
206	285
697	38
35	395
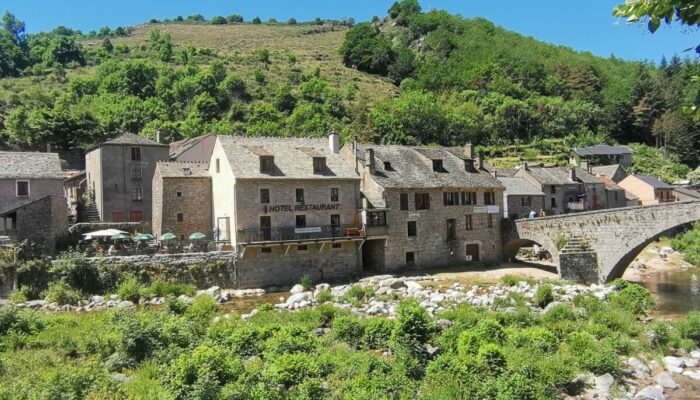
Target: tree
234	19
107	45
218	20
14	27
64	50
257	21
686	12
291	21
402	11
365	49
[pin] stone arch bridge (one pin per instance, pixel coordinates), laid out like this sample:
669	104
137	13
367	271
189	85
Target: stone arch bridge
598	246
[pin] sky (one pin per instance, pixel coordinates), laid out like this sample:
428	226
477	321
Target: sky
585	25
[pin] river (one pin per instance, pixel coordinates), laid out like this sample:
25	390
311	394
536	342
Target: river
676	291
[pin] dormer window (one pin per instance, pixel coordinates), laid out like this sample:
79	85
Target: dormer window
469	165
387	166
319	165
437	166
266	164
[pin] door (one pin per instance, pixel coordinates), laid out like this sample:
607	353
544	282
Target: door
135	216
118	217
266	227
222	227
473	251
335	224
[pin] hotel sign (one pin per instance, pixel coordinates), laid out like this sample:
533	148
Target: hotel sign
300	207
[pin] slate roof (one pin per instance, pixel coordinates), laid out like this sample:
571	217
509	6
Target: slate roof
182	169
291	158
181	146
653	182
519	187
687	192
18	165
412	167
560	175
130	138
606	170
602	150
609	183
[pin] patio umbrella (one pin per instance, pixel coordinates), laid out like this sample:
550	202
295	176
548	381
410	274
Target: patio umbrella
103	233
168	236
142	237
197	236
120	236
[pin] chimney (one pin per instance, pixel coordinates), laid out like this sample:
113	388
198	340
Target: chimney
572	174
48	147
468	151
158	133
479	162
369	161
354	154
495	174
334	142
585	166
524	164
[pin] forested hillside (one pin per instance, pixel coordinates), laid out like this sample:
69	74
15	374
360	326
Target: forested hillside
410	77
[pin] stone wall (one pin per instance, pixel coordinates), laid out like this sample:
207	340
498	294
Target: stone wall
579	267
43	222
194	202
516	208
283	266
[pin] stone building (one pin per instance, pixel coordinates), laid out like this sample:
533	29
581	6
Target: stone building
614	172
566	189
603	154
74	185
25	178
120	175
193	149
520	198
426	206
182	199
289	207
614	193
42	221
648	189
685	194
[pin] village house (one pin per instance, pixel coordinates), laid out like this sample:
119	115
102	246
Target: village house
615	195
426	206
614	172
182	199
566	189
520	198
603	154
648	189
74	184
120	175
288	206
685	194
193	149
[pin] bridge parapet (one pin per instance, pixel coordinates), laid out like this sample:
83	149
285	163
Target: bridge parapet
616	235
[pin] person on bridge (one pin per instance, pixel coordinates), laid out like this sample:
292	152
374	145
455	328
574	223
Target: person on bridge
532	214
542	213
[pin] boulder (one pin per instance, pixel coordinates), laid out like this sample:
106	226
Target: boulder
603	383
692	374
664	379
125	304
674	364
97	299
650	393
413	286
641	370
323	286
296	289
297	298
691	362
213	291
552	305
392	283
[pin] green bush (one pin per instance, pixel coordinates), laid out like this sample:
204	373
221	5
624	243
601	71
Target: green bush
544	295
510	280
357	293
60	292
21	321
377	333
689	244
293	369
129	289
593	355
306	282
349	330
324	296
206	362
689	328
537	338
290	339
203	308
326	314
20	295
175	306
634	298
491	356
162	289
490	331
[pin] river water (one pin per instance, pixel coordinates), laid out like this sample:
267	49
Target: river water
676	291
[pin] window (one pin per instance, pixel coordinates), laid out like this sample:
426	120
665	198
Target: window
552	189
451	231
264	196
437	166
489	220
553	202
180	217
403	200
616	195
178	194
301	221
302	247
468	223
376	218
489	198
266	250
422	201
218	166
337	245
22	188
526	201
468	198
319	165
469	165
300	195
266	164
387	166
116	188
410	258
136	172
450	198
335	220
137	194
334	194
135	154
412	228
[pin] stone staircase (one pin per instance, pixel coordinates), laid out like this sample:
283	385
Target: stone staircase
577	244
91	214
578	261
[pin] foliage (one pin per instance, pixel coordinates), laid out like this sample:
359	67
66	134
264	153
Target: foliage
689	244
544	295
129	289
306	282
357	293
690	327
62	293
634	298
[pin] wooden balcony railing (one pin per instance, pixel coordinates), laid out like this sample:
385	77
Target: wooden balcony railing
325	232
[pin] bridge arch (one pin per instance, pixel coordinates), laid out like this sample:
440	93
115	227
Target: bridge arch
616	235
511	247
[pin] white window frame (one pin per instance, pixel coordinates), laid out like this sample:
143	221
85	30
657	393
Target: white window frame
29	188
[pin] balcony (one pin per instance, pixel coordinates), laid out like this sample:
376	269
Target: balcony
376	223
306	234
575	206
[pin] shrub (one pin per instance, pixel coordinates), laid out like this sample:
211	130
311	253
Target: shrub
290	339
293	369
162	289
357	293
468	343
491	356
206	363
634	298
139	336
690	327
510	280
349	330
306	282
21	321
660	333
377	333
266	307
592	355
536	337
326	314
203	308
60	292
129	289
490	330
544	295
20	295
75	269
175	306
246	341
324	296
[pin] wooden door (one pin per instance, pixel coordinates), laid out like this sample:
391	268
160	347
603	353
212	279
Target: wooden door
473	251
135	216
266	227
118	217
